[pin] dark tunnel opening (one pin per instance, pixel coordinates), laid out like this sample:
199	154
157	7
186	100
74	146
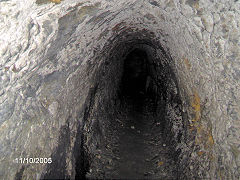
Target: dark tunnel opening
137	87
129	135
133	85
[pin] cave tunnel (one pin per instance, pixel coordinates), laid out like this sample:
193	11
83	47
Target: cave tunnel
131	132
133	89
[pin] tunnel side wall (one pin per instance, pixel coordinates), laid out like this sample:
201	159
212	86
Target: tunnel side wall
49	60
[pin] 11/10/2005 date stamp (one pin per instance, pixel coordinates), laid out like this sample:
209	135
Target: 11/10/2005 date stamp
33	160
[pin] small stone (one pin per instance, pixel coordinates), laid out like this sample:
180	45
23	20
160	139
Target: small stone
160	163
164	145
148	173
109	161
200	153
132	127
118	158
108	167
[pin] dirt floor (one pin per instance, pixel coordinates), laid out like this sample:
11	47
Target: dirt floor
134	146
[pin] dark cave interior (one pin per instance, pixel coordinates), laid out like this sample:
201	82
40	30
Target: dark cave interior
123	133
135	75
137	86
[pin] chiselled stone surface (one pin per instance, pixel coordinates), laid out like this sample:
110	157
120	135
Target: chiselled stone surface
51	54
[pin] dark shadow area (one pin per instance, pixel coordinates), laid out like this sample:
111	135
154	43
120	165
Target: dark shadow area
138	87
135	75
82	159
57	169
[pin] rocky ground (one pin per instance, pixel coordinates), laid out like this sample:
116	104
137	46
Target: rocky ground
136	147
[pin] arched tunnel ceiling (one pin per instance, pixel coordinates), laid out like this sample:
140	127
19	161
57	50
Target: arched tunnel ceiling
53	55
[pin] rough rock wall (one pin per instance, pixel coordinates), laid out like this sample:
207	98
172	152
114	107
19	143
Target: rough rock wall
50	57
